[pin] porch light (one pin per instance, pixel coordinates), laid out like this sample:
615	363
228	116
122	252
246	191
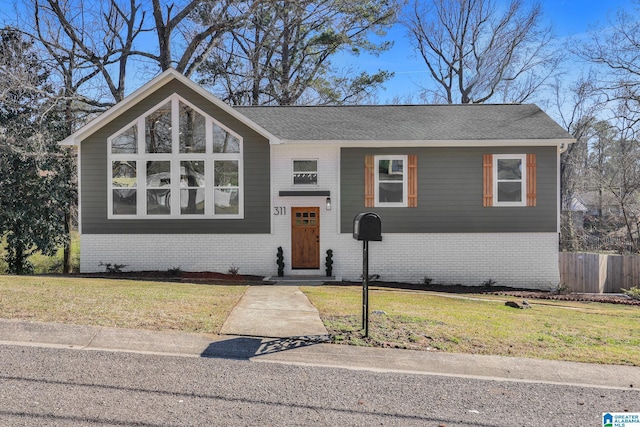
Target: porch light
328	203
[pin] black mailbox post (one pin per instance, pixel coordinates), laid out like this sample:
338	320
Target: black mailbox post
367	226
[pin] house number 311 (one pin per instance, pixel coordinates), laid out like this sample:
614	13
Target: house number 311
280	210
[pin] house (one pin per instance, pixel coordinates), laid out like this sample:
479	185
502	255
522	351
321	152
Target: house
173	177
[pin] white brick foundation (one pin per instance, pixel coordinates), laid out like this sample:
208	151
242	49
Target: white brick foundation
526	260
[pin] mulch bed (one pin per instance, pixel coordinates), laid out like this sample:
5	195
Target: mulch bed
508	291
204	277
605	298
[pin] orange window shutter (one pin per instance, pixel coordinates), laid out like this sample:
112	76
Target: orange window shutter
531	180
487	180
369	182
412	181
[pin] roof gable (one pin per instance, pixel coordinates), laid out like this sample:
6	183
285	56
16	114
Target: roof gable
150	87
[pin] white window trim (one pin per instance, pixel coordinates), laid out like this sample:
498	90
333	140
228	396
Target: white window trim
523	181
293	172
405	186
141	158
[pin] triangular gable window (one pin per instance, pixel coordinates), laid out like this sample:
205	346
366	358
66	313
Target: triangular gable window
175	161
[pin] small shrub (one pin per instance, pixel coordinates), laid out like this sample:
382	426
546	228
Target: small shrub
427	281
633	293
280	262
329	263
175	271
488	283
560	289
112	268
233	270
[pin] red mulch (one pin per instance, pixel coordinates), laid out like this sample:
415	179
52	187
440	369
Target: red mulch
180	276
214	276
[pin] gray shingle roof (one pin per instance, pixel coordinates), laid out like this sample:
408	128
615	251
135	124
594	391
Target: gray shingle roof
407	122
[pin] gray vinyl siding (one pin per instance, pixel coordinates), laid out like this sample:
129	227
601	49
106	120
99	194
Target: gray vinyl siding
94	177
450	193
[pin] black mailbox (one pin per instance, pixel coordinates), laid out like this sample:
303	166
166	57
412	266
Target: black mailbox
367	226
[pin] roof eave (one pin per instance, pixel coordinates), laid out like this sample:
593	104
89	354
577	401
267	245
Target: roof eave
442	143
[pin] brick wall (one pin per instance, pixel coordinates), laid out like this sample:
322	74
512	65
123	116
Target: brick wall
528	260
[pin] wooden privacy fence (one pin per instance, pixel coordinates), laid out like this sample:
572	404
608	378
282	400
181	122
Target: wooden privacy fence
599	273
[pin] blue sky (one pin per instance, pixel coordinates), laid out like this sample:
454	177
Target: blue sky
568	18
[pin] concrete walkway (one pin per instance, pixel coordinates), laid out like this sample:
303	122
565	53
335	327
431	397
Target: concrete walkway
278	311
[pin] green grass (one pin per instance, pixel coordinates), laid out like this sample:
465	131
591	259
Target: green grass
581	332
118	303
47	264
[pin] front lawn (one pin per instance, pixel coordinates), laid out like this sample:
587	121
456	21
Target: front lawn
573	331
478	324
118	303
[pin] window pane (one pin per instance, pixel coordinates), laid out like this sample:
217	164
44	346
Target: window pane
224	142
226	200
158	130
158	174
123	174
305	165
192	130
126	142
124	202
192	191
192	201
192	173
159	202
159	188
226	173
509	192
390	170
390	192
509	169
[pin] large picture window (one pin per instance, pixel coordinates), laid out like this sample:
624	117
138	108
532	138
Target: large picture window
175	161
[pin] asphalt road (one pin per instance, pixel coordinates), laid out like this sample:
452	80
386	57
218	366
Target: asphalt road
60	387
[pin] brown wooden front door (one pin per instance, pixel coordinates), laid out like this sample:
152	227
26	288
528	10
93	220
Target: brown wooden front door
305	238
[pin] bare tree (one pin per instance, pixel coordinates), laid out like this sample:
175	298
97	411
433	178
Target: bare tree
476	51
615	51
193	31
96	45
576	113
282	55
89	42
